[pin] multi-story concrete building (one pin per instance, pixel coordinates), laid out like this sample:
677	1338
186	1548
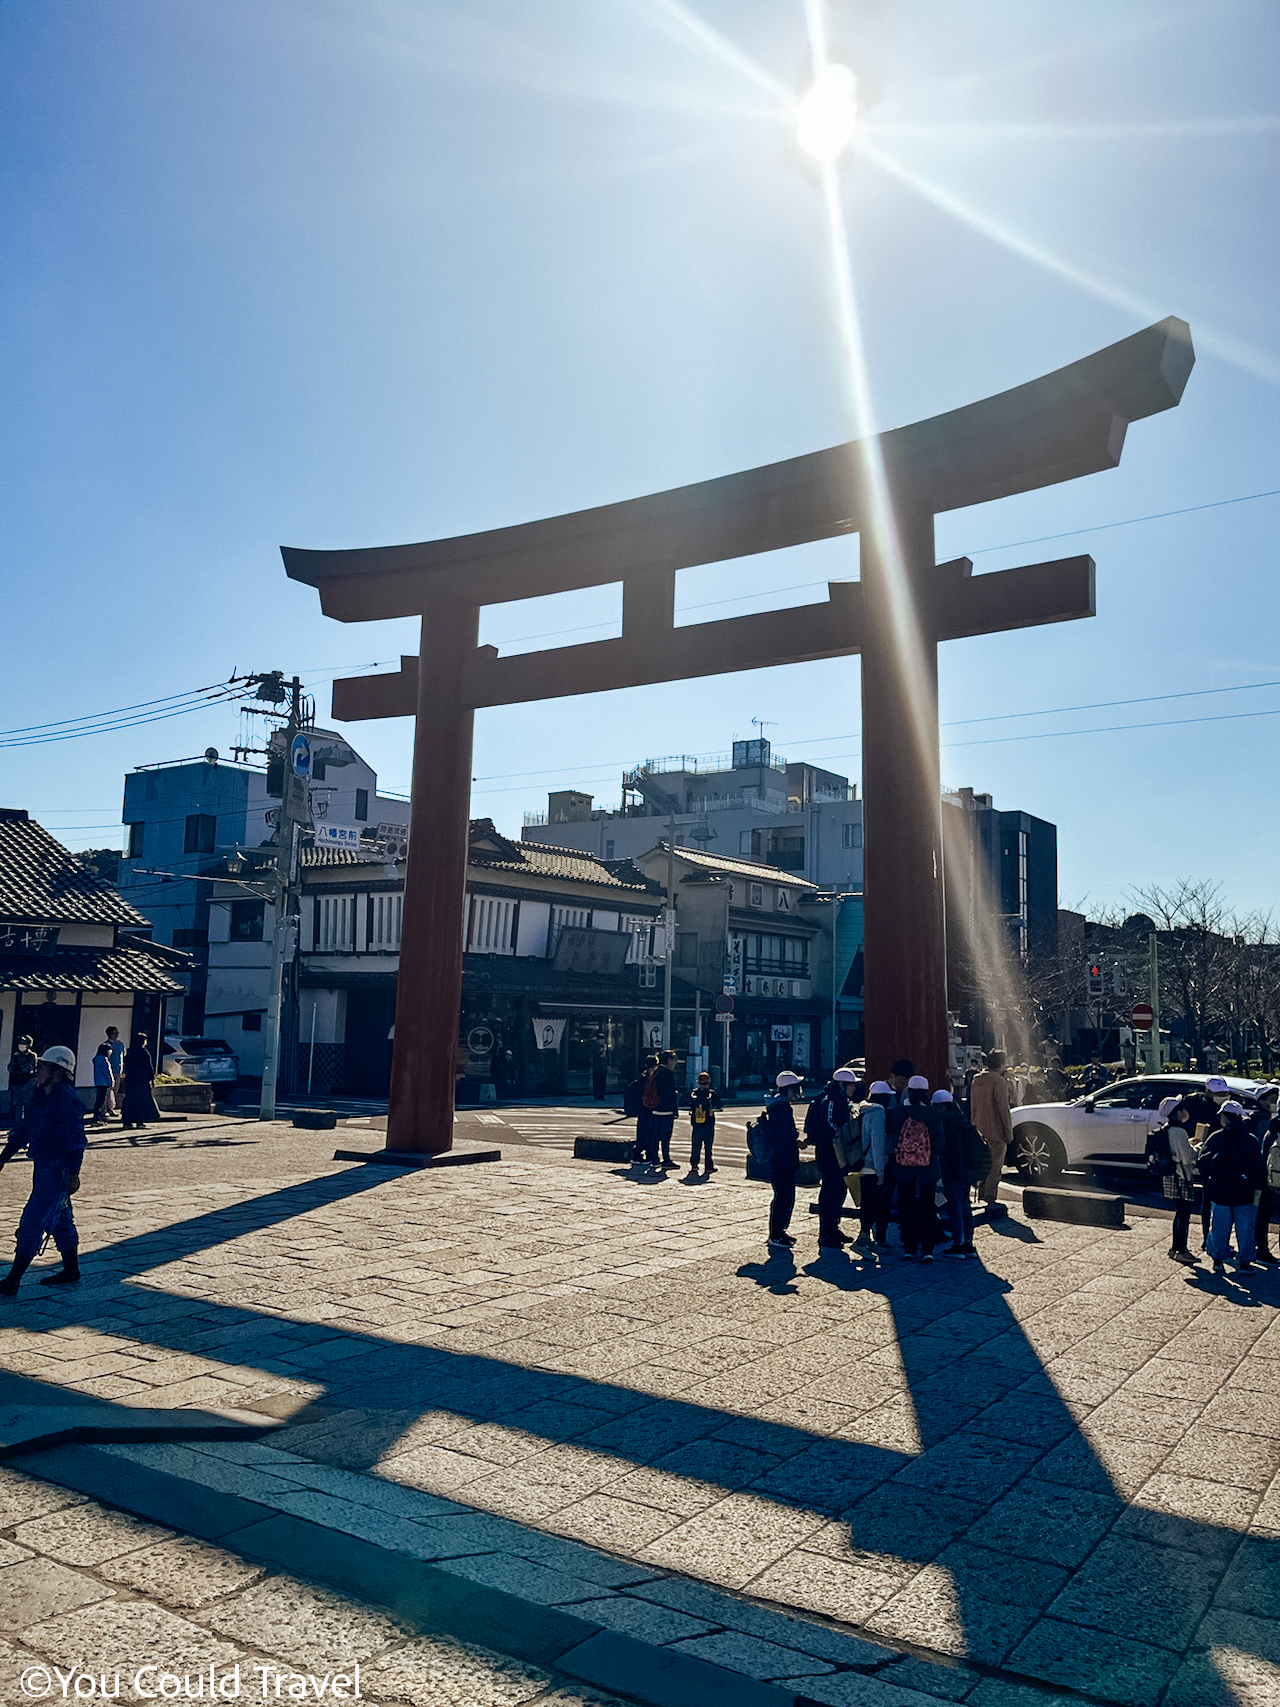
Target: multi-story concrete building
748	805
185	818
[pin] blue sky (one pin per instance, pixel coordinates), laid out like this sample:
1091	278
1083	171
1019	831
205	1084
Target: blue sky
353	272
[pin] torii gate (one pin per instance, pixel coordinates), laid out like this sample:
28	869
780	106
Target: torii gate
1067	424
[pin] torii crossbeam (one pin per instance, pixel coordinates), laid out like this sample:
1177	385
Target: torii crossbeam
887	490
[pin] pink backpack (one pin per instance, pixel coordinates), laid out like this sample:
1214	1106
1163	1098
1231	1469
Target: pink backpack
914	1150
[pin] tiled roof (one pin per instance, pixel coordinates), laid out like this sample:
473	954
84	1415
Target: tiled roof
124	968
41	882
494	852
755	869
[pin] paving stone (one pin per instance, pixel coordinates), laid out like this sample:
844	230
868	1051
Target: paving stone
1128	1673
184	1572
642	1619
1044	1520
38	1588
848	1689
968	1459
954	1682
1252	1582
23	1497
310	1626
1213	1455
1225	1677
523	1578
86	1534
1131	1588
850	1593
970	1602
751	1656
1181	1511
124	1635
427	1673
1115	1467
732	1541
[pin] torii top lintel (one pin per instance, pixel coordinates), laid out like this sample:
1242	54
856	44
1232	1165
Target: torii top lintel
1063	425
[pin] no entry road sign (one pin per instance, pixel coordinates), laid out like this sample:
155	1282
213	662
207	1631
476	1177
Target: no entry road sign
1142	1016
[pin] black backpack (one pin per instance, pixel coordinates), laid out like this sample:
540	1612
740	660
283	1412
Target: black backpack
633	1098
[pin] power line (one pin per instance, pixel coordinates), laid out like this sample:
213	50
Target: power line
1130	521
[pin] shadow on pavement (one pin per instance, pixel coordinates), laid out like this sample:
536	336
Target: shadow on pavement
959	1507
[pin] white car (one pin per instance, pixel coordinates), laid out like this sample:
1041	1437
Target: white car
1107	1128
205	1058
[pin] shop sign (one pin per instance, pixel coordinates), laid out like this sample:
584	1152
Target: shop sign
547	1033
780	1033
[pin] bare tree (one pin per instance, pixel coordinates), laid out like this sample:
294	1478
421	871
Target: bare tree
1257	985
1199	958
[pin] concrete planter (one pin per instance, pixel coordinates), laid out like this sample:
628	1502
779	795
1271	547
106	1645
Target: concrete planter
182	1099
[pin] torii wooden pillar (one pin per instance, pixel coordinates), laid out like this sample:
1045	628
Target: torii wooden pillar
1067	424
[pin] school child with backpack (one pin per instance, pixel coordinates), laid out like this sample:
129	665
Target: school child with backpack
1233	1173
828	1124
965	1162
776	1143
1266	1129
875	1190
703	1106
914	1135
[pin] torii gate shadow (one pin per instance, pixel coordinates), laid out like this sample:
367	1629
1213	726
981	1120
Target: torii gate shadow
1031	1561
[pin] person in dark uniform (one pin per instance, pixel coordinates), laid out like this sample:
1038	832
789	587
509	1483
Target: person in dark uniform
784	1158
52	1133
827	1116
22	1081
139	1071
703	1105
667	1106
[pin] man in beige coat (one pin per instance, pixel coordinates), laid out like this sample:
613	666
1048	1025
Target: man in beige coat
989	1111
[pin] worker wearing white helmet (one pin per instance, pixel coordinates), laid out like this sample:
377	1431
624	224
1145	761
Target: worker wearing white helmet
52	1133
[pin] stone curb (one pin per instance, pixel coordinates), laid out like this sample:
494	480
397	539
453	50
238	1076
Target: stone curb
450	1598
32	1428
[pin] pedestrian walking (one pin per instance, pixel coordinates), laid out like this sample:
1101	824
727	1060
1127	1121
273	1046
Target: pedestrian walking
828	1127
666	1106
22	1081
1095	1075
989	1112
52	1133
1231	1170
116	1047
900	1078
1266	1129
104	1080
1206	1117
783	1149
704	1104
966	1162
875	1194
139	1071
914	1136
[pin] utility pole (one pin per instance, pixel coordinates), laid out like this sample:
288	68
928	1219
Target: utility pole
1153	997
670	930
295	814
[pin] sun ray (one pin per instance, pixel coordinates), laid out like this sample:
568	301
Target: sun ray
723	49
1224	345
1246	124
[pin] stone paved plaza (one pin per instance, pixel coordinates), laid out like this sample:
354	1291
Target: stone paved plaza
1047	1474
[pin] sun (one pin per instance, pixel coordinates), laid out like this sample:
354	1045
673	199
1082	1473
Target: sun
827	114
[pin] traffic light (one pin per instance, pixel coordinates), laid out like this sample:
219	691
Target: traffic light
1093	977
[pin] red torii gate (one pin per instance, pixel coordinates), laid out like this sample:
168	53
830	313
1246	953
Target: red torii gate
1059	427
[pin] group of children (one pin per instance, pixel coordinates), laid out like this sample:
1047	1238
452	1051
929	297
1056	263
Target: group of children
1235	1154
897	1141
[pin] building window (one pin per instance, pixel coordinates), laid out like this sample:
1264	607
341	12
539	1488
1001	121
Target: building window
336	924
137	835
319	770
198	838
608	850
492	926
641	933
1024	856
749	843
246	920
251	1022
386	913
851	835
362	805
774	955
